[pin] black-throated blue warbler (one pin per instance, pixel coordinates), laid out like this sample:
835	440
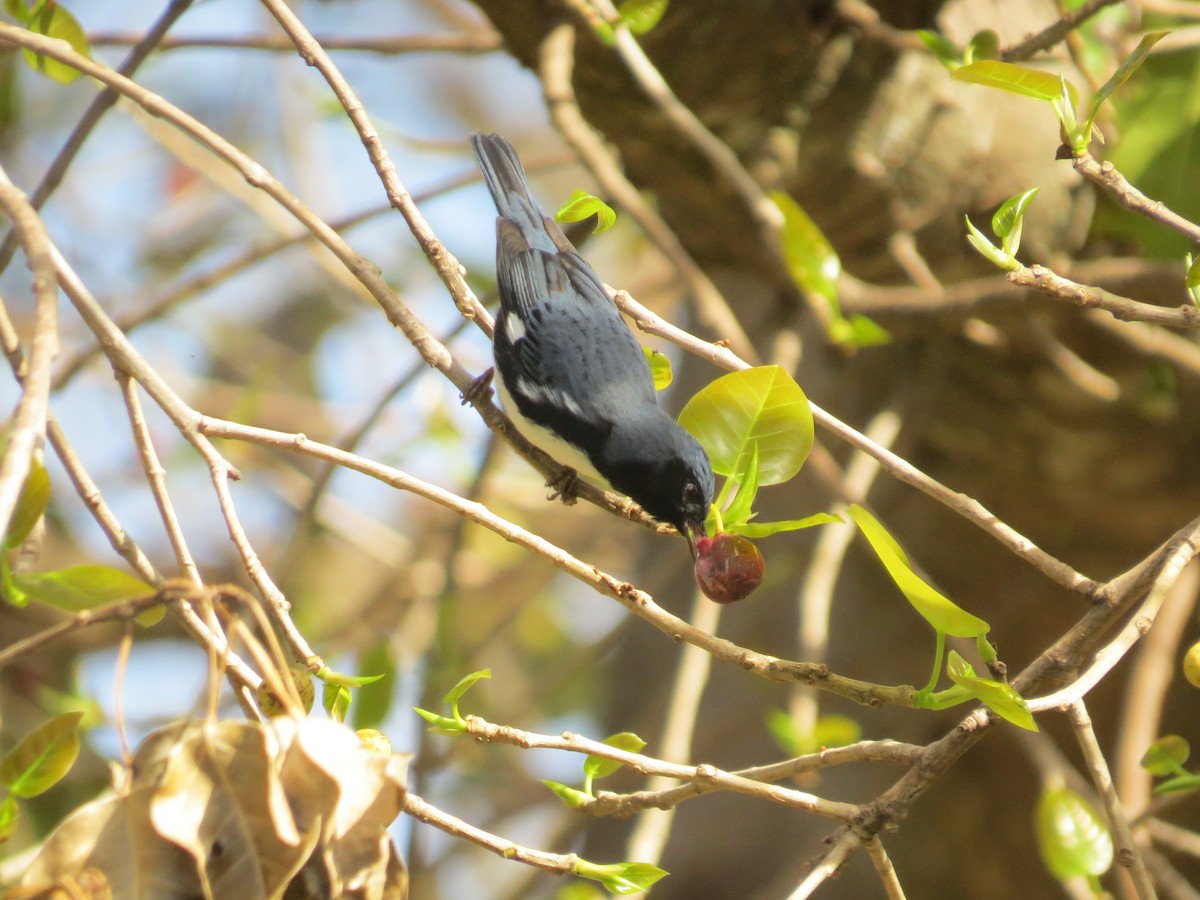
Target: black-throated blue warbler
569	371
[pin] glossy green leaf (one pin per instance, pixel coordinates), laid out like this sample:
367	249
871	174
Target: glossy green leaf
936	609
766	529
621	878
641	16
1072	837
599	767
1128	66
580	205
1010	218
77	588
1014	79
1166	755
1178	785
1000	698
464	684
810	258
441	724
762	405
742	507
375	698
10	813
336	699
660	368
571	797
987	249
31	505
941	47
49	18
43	757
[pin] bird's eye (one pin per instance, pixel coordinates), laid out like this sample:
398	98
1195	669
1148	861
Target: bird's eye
691	493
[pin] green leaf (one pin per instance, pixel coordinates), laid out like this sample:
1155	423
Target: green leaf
35	494
1009	219
762	406
858	331
580	205
1072	837
443	724
336	700
599	767
987	249
464	684
1000	698
1014	79
77	588
835	731
660	368
329	676
810	258
375	702
1178	785
742	507
1166	755
983	45
52	20
766	529
10	813
1129	65
936	609
43	757
941	47
640	16
1192	280
571	797
621	878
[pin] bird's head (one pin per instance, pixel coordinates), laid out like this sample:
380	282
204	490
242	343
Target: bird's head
662	467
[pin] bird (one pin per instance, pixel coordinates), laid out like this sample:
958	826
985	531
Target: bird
570	373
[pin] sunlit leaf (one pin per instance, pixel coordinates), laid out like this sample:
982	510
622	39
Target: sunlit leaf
9	814
1000	698
464	684
660	368
1179	785
442	724
580	205
983	45
1015	79
742	507
1128	66
642	15
835	731
54	21
858	331
813	263
329	676
1072	837
766	529
572	797
599	767
1166	755
42	757
336	700
940	46
937	610
621	878
762	405
987	249
35	494
77	588
1009	219
375	700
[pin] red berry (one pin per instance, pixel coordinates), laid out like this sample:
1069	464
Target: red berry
728	567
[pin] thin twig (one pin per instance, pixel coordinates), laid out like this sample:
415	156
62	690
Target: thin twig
1045	280
884	869
1050	36
1105	175
481	42
846	842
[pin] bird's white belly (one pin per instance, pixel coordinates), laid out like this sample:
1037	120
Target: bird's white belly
563	452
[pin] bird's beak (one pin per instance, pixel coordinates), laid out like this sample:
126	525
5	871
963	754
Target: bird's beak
690	532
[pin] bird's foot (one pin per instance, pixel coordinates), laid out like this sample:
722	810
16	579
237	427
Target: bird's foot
478	390
564	487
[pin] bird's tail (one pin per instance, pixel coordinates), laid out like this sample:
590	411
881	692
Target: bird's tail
509	188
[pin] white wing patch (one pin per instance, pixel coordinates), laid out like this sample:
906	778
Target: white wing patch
550	395
514	326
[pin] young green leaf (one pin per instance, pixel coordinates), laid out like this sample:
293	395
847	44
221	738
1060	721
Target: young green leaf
660	368
442	724
983	45
766	529
641	16
1014	79
858	331
621	878
573	798
1192	279
329	676
77	588
936	609
580	205
1072	837
1009	219
1000	698
987	249
599	767
813	263
1131	64
1166	755
464	684
762	406
49	18
742	507
1179	785
35	494
42	757
9	814
336	700
941	47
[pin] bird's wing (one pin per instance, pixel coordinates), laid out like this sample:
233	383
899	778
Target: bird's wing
560	341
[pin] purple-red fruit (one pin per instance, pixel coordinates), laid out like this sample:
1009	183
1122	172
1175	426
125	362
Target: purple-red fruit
728	567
